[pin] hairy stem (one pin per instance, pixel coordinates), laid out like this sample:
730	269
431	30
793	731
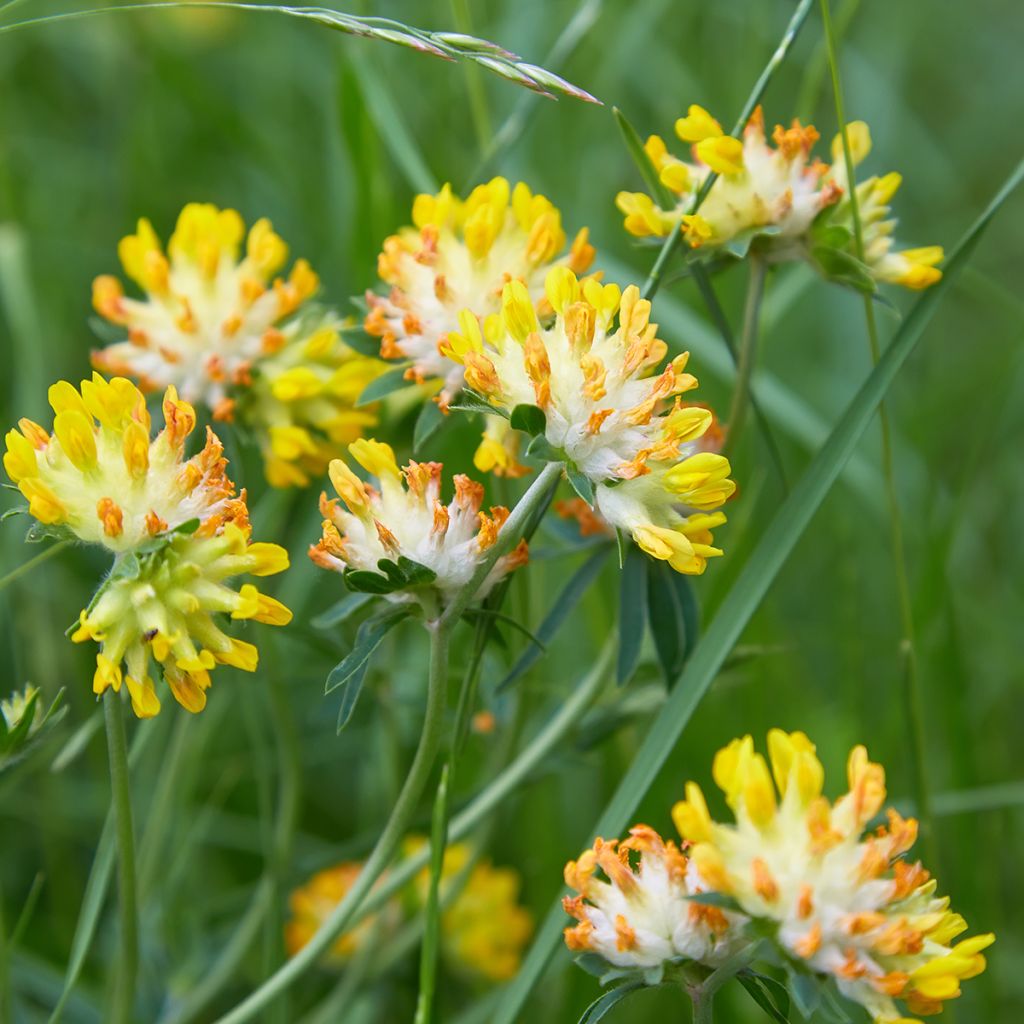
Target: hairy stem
913	689
401	816
748	352
128	961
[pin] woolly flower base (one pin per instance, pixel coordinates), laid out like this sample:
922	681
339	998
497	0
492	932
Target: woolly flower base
402	540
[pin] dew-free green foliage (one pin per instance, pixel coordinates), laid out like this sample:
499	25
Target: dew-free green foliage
134	114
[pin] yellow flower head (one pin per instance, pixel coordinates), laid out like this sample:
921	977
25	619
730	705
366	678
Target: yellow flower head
311	904
301	400
617	418
101	476
484	929
845	902
459	255
912	268
210	310
639	914
164	604
404	524
762	189
772	194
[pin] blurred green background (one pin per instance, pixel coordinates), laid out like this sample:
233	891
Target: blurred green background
132	114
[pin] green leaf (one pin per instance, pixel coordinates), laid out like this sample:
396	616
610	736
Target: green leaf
760	570
716	899
541	448
674	617
368	639
570	596
471	614
603	1004
769	994
342	610
385	384
359	341
806	992
530	419
470	401
367	581
581	484
623	545
635	147
844	268
428	423
632	613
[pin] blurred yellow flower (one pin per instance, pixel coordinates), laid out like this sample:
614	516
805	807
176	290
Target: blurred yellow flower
300	402
209	312
776	196
459	255
642	916
607	410
175	525
843	901
483	930
429	544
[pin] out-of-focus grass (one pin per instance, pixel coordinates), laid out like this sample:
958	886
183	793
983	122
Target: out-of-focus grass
136	114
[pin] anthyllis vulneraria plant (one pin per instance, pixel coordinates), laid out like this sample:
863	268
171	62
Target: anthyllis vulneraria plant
400	539
24	721
776	201
176	528
218	325
835	896
589	389
483	927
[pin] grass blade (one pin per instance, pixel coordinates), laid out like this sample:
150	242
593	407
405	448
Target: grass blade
751	585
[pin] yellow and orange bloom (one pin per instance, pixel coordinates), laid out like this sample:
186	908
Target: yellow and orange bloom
459	254
176	527
773	195
640	913
405	522
844	901
209	313
101	476
483	930
301	400
609	411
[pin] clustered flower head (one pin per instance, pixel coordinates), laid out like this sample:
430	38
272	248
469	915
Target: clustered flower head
301	400
459	255
841	900
483	929
217	325
618	420
773	196
404	527
640	914
175	525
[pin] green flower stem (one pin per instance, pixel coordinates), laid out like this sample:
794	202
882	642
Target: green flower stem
747	355
155	828
514	528
432	911
387	844
128	961
675	238
26	567
913	689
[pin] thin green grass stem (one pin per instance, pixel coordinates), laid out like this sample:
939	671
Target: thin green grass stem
478	107
913	688
747	355
128	960
26	567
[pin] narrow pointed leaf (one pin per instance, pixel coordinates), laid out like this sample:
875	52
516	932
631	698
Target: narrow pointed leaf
632	613
368	639
385	384
342	610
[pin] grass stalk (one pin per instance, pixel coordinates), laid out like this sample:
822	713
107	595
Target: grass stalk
26	567
476	93
432	911
913	688
747	355
128	961
384	850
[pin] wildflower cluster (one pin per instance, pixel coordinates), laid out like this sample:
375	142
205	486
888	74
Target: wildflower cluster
459	255
402	537
215	325
836	900
775	198
633	446
483	929
176	527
